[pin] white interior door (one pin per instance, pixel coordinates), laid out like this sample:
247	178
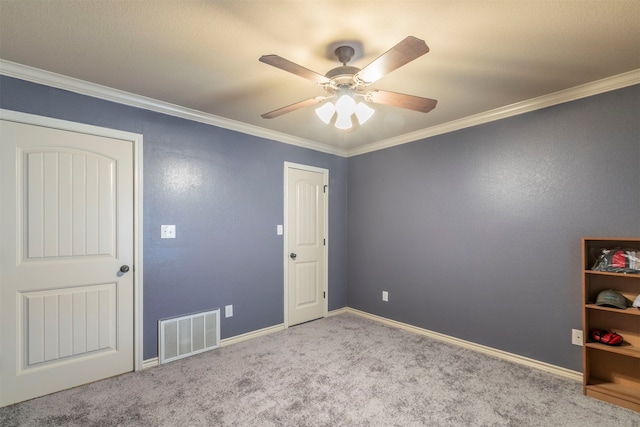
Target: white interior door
66	227
305	289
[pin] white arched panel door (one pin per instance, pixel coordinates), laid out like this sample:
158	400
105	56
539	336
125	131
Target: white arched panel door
66	279
306	264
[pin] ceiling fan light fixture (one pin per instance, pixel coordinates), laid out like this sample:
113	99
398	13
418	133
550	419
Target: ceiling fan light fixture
363	112
344	108
346	105
325	112
345	82
343	121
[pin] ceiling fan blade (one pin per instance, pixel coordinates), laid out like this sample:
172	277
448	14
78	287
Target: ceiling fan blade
293	107
405	51
292	67
401	100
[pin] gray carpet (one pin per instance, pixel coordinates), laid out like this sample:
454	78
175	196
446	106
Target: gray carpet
339	371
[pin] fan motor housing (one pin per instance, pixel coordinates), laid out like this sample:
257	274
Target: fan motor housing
343	75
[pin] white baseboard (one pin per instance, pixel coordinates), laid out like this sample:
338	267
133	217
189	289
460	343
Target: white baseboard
253	334
150	363
338	311
543	366
536	364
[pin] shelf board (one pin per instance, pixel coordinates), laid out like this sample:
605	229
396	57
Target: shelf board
630	310
624	349
615	390
608	273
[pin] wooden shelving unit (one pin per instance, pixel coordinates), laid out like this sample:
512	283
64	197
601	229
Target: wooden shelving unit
611	373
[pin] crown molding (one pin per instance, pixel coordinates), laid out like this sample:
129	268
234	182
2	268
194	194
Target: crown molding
589	89
24	72
47	78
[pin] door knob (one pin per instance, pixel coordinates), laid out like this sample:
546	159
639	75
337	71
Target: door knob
124	268
293	256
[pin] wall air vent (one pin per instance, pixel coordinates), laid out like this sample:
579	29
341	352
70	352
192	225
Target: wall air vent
184	336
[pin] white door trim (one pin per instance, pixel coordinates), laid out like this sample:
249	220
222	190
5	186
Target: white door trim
136	139
285	254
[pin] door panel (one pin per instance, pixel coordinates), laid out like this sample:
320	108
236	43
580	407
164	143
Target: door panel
70	204
307	202
307	285
306	239
62	323
66	228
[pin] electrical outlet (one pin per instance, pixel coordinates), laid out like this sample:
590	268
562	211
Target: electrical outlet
385	296
228	311
167	231
576	337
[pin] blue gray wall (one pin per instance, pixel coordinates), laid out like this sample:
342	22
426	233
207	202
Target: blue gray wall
474	234
477	233
224	192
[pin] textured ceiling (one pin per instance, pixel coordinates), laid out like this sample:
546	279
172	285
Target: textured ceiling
203	55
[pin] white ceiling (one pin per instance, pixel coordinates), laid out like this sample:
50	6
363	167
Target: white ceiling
203	55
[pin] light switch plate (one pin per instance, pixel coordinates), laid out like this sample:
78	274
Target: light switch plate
228	311
167	231
279	230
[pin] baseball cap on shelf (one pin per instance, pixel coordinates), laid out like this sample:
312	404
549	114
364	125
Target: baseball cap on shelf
636	303
610	298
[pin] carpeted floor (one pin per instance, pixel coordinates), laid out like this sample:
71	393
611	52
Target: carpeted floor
339	371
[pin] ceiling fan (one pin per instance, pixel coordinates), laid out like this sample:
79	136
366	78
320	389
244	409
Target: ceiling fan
354	82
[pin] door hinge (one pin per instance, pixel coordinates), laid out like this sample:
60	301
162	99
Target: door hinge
325	188
324	295
324	242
